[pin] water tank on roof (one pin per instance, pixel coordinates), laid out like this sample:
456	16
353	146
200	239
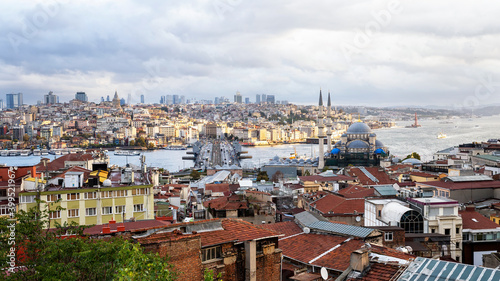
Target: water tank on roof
106	183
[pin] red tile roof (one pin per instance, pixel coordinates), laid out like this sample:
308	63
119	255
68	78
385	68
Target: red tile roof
287	228
379	272
217	187
235	230
474	220
233	202
339	205
356	191
58	163
129	226
463	185
313	249
380	175
390	252
425	175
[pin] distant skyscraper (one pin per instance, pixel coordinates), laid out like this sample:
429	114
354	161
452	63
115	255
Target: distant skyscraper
81	96
142	99
257	98
14	100
107	98
129	98
247	100
102	99
182	99
122	101
216	100
238	98
264	98
270	99
175	99
1	104
50	98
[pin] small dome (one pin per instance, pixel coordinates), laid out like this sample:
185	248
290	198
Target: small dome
335	151
344	135
359	128
379	144
373	135
413	161
276	158
357	144
106	182
338	144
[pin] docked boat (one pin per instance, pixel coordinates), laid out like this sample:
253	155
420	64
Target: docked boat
45	152
127	153
441	136
176	147
37	152
4	153
25	152
14	153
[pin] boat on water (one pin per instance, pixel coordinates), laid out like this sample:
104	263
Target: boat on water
14	153
127	153
442	136
4	153
37	152
25	152
45	152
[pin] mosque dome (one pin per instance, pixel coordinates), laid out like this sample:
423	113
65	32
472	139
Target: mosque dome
338	144
357	144
359	128
413	161
379	144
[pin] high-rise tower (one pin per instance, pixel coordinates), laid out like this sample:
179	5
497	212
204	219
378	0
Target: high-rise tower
321	133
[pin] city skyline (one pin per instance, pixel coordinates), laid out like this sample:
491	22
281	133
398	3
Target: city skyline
381	53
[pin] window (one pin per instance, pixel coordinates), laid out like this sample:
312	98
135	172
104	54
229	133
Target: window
28	199
55	214
447	231
73	213
379	213
4	210
119	209
91	195
107	210
90	211
457	258
458	230
140	191
106	194
388	236
121	193
457	245
53	197
138	208
73	196
433	230
210	253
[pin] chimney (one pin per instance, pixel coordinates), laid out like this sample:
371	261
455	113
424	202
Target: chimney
33	171
120	227
360	260
106	229
112	221
470	208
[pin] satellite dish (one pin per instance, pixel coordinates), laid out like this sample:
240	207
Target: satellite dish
358	218
324	273
307	229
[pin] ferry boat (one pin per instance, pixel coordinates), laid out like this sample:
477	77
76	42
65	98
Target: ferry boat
45	152
4	153
37	152
14	153
175	147
127	153
25	152
441	136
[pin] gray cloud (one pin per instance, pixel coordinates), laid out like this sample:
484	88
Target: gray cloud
419	54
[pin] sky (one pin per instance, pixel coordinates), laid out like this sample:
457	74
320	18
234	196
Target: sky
367	53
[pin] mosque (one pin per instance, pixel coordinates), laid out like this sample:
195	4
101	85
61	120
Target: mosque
358	146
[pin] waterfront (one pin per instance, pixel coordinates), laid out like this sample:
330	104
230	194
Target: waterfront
400	140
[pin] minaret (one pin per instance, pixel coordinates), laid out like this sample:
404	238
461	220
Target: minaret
321	133
329	123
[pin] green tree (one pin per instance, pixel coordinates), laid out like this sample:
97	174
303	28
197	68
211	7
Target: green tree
47	257
131	143
208	275
195	175
26	138
141	142
262	176
413	155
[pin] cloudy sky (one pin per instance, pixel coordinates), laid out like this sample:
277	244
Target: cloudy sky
382	53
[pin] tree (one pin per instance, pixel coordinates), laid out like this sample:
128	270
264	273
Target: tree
195	175
208	275
413	155
278	176
307	173
46	256
26	138
131	143
262	176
